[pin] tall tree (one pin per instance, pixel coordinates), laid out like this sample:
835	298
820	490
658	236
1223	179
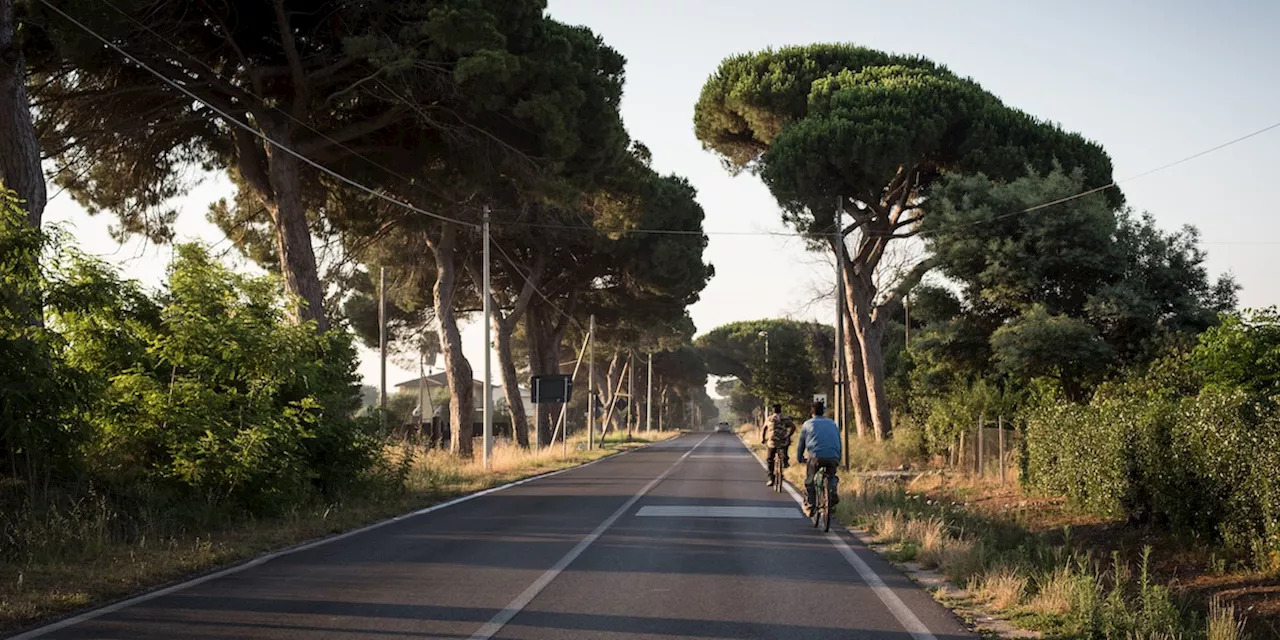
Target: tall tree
19	149
840	129
526	112
327	85
797	365
1070	293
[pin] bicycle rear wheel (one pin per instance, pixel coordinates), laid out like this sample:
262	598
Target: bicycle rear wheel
777	473
816	508
826	507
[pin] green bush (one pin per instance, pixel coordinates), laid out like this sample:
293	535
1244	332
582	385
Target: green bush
37	388
203	401
1202	464
211	391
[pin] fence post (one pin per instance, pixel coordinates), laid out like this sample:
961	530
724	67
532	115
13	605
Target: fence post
982	449
1000	423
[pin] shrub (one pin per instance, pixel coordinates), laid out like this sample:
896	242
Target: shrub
1201	464
213	393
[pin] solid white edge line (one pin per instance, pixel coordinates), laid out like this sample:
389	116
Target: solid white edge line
262	559
504	616
896	606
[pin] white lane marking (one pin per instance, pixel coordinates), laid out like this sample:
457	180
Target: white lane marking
733	456
696	511
249	564
511	610
899	609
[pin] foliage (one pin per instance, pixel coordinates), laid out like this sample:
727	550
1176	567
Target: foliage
1038	344
1076	292
798	364
37	387
835	129
210	390
205	395
1242	352
1202	462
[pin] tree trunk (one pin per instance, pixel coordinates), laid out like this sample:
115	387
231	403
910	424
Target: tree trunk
856	384
457	369
19	149
503	326
282	197
854	362
544	359
870	338
510	383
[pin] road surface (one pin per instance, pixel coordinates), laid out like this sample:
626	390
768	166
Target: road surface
678	540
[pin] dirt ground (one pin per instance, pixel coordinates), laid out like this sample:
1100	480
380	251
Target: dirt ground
1195	570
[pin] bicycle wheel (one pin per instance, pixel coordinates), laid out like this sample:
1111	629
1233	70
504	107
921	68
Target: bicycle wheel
777	473
826	507
816	508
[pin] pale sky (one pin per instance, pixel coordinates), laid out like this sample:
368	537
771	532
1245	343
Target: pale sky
1152	82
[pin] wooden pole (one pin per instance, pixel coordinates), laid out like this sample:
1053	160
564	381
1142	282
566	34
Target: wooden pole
613	405
564	408
1000	422
982	463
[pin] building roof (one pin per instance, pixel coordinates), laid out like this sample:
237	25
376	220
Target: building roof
439	380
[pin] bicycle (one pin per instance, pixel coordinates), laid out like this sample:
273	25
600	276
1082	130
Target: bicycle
822	510
775	470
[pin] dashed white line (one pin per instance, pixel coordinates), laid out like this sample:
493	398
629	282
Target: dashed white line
511	610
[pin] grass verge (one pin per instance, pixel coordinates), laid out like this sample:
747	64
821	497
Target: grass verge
1038	580
91	570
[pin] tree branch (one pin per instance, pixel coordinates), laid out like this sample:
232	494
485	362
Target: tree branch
295	60
351	132
905	285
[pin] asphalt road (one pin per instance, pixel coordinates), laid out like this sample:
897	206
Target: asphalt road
678	540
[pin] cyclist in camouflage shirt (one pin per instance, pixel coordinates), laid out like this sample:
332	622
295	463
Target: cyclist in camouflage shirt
776	433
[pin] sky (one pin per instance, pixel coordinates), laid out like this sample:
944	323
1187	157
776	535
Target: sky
1154	83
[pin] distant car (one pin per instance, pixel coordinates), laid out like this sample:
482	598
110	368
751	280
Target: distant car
722	427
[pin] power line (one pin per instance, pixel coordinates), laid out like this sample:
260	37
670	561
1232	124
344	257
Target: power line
250	129
1028	210
529	281
1109	185
260	99
444	218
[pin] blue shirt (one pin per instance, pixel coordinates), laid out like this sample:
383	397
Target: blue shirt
820	437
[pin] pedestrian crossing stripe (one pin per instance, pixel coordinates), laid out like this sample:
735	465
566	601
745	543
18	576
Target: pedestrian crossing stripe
707	511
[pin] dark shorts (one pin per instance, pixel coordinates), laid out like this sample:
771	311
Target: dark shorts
811	469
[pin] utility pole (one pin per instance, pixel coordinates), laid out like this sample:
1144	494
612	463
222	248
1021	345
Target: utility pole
842	384
631	396
488	346
648	403
906	307
764	410
423	416
382	340
591	383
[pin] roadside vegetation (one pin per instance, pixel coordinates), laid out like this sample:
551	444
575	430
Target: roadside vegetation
995	293
146	435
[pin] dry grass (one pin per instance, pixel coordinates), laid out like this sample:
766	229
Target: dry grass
1002	589
930	533
1223	623
61	583
1055	594
889	526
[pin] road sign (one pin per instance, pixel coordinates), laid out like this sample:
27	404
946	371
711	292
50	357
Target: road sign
553	388
820	397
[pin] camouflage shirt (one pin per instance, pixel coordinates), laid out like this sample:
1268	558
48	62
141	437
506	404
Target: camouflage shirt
778	431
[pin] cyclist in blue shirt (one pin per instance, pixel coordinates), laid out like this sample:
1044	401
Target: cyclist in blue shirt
820	436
